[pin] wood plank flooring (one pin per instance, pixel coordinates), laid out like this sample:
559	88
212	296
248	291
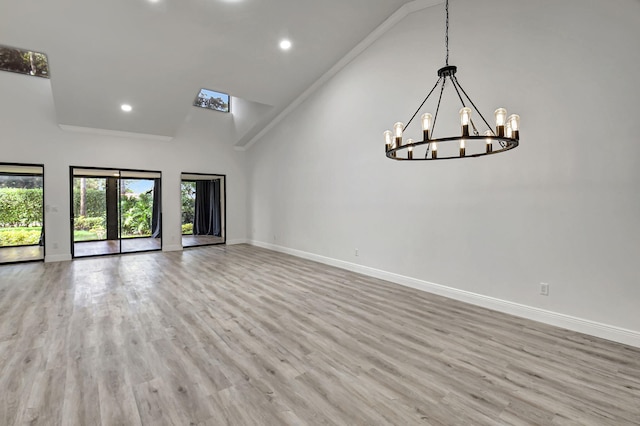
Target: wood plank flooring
237	335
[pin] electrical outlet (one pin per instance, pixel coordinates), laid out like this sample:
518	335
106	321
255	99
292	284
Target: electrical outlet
544	289
356	253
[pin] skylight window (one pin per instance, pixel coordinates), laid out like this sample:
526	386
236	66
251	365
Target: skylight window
210	99
24	61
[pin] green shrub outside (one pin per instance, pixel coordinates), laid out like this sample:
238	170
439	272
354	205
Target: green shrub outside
20	207
187	229
82	223
19	236
137	214
89	228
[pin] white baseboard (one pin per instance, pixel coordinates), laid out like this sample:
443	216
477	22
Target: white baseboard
581	325
172	247
50	258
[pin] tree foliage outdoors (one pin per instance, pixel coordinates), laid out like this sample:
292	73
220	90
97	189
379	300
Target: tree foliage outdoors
24	62
15	181
188	192
212	103
137	213
95	203
90	209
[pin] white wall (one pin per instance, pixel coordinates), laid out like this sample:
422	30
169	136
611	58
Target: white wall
563	208
30	135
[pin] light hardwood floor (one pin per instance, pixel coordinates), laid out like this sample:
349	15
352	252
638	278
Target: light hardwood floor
243	336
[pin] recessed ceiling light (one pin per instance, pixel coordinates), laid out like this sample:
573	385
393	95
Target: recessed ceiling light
126	107
285	44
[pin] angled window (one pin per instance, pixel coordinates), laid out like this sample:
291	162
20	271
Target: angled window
23	61
210	99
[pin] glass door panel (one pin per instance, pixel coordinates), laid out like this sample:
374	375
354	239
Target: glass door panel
95	212
203	209
140	211
21	212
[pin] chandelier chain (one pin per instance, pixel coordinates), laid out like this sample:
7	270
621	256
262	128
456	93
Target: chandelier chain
446	35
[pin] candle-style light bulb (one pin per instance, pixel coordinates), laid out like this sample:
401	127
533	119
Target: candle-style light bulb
434	149
465	119
410	149
398	128
509	130
501	120
426	125
489	141
462	148
514	122
388	139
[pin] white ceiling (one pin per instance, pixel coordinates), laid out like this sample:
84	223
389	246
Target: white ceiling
156	56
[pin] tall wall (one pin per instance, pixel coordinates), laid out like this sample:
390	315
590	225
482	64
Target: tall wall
29	134
563	208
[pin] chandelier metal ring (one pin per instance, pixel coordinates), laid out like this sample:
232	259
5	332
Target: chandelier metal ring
508	143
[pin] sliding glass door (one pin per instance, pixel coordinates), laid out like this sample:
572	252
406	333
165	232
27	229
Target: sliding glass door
115	211
94	198
140	211
21	212
203	209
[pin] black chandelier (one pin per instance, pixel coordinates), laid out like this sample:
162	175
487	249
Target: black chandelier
505	137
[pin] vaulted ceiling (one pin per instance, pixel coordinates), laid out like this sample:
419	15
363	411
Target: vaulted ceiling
156	55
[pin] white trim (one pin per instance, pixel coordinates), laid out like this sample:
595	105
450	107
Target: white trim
116	133
581	325
50	258
172	247
389	23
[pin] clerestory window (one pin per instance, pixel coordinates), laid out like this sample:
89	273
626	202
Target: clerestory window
24	61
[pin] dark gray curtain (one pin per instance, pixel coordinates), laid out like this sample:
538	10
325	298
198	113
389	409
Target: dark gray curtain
207	216
156	214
